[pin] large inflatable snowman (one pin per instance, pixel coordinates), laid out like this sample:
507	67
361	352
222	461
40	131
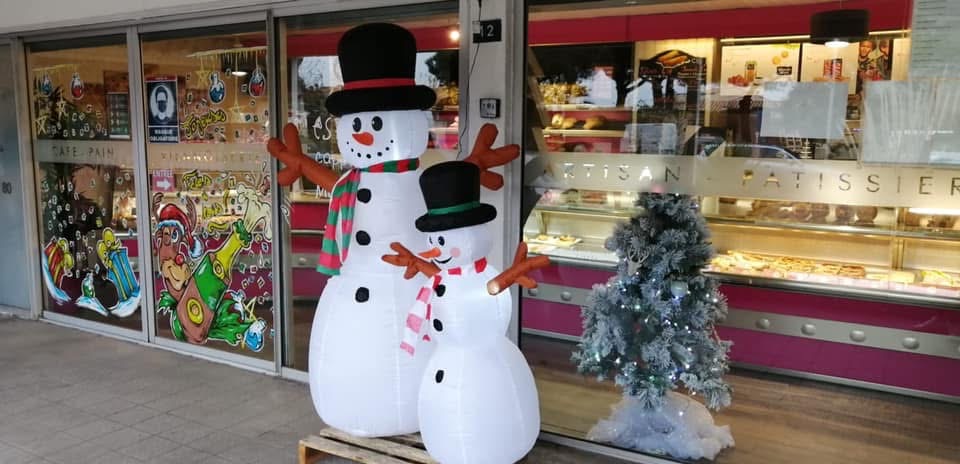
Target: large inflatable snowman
478	401
359	380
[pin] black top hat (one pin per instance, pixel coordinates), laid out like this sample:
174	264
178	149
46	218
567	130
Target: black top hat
452	193
378	62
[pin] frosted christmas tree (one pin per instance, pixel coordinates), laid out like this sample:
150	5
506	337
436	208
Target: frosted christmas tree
651	329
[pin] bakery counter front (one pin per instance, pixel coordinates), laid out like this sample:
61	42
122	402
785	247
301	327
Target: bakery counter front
818	283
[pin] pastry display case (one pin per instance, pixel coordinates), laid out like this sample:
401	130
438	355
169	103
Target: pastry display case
883	253
833	264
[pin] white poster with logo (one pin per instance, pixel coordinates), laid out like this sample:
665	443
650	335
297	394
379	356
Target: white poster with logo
163	123
745	69
831	65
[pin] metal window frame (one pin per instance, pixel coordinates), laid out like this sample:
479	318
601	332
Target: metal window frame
238	359
285	258
308	7
27	175
33	214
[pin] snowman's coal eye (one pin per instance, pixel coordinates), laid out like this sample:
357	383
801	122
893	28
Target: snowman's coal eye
440	240
356	124
430	239
377	123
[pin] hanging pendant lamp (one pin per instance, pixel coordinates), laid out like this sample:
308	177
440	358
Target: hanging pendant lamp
838	28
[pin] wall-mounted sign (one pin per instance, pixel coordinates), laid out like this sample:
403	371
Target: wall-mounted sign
745	68
108	153
831	65
208	156
845	182
162	119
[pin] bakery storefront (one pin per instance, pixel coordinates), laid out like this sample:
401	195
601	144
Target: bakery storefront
828	179
827	174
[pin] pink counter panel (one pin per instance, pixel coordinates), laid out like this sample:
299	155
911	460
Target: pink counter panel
887	367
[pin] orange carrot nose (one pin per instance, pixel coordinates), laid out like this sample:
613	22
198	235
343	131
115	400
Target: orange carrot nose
431	253
364	138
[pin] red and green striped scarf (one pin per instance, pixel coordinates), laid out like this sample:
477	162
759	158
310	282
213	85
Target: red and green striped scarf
333	254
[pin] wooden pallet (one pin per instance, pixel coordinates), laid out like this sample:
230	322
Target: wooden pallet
403	449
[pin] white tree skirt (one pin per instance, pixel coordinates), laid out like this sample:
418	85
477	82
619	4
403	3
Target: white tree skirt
682	428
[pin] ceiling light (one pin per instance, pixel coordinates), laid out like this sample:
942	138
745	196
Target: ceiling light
239	73
454	35
838	28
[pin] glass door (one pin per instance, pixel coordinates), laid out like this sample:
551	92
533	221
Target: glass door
206	101
310	71
79	109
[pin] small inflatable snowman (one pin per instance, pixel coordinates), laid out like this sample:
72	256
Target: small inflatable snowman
359	381
478	401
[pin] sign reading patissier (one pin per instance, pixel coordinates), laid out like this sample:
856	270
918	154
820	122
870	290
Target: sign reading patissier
846	182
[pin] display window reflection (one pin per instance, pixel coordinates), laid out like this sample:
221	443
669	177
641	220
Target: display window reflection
207	111
80	123
832	224
312	73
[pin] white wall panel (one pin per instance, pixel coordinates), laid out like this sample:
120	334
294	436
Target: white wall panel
33	15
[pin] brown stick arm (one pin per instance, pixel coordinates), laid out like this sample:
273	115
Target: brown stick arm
517	273
296	163
486	157
405	258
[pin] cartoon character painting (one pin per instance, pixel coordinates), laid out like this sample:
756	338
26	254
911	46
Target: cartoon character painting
197	291
57	263
174	231
115	259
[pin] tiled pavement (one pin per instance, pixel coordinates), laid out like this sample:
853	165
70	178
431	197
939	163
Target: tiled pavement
71	397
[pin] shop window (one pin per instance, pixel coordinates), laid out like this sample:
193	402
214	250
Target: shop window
834	224
311	72
80	120
206	95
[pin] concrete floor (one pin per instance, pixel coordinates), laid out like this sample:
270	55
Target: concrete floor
68	396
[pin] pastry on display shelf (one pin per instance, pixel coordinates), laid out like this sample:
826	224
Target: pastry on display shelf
866	215
593	197
565	241
942	222
594	122
899	277
568	123
819	213
939	278
781	266
843	213
801	211
561	93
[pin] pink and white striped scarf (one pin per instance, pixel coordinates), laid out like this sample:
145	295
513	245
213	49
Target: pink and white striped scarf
420	312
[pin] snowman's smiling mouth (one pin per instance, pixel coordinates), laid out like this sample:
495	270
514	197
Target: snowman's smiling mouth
370	155
442	261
